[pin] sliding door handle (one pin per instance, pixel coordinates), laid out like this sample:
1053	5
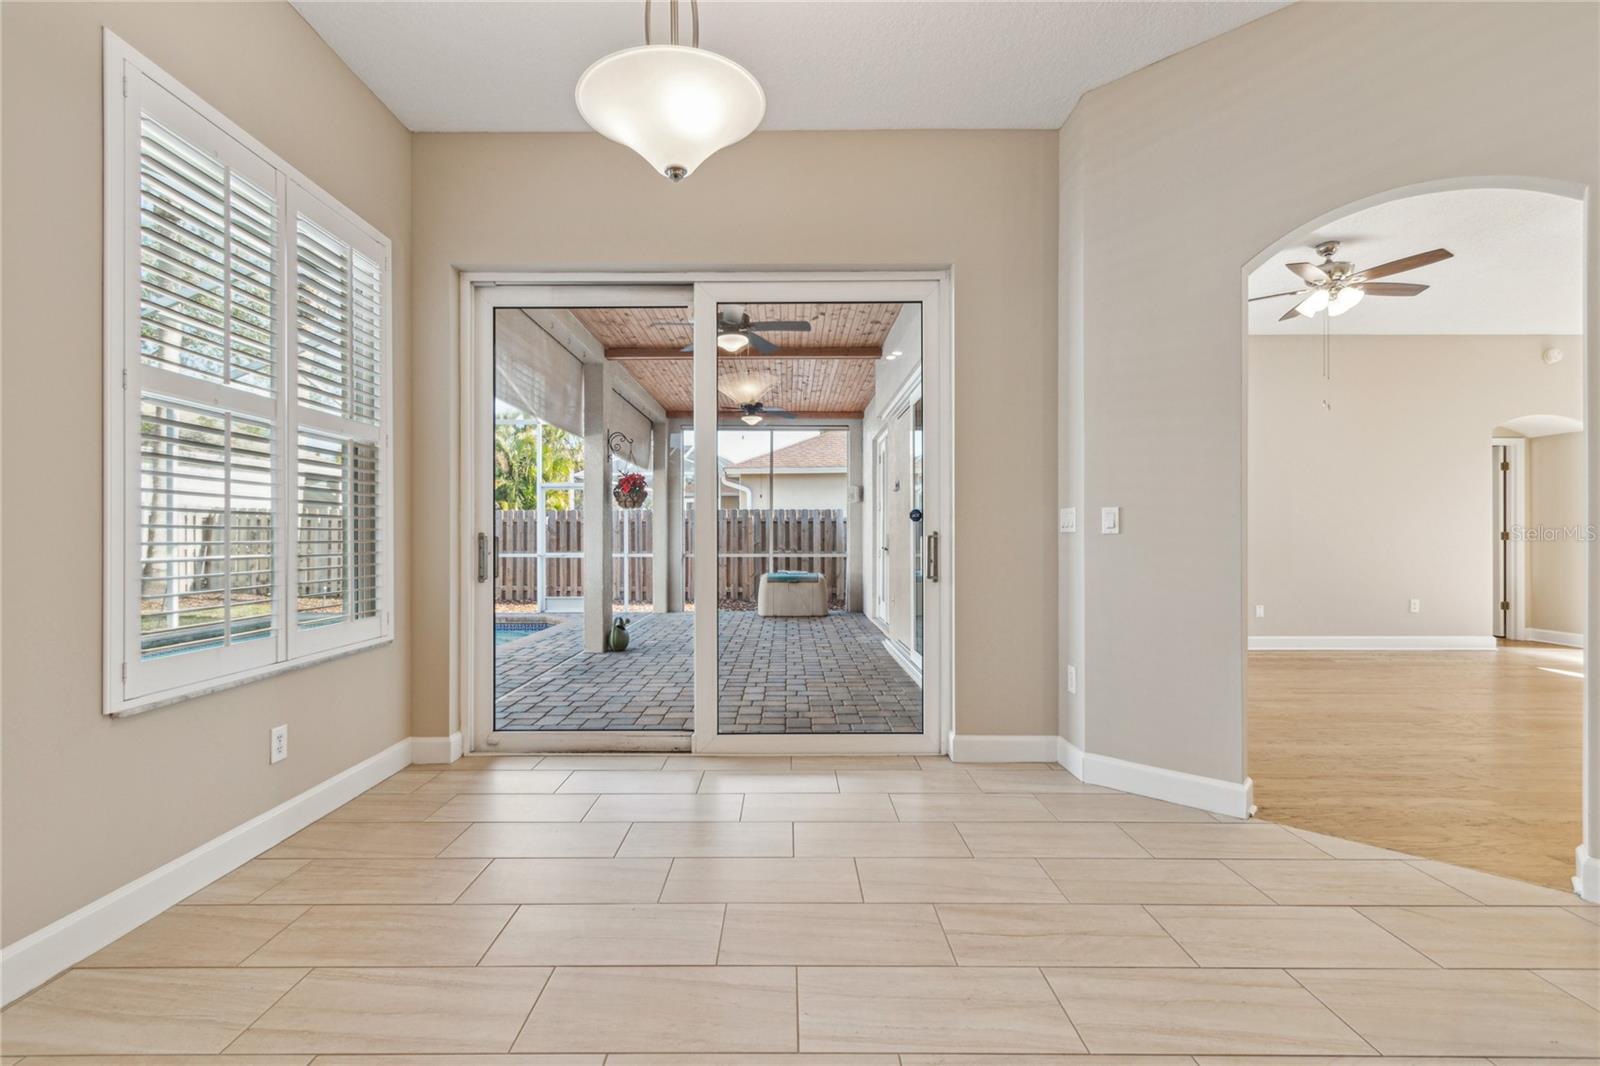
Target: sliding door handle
933	557
483	557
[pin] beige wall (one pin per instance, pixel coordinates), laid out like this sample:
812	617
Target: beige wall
1176	177
1386	497
981	202
91	803
1556	503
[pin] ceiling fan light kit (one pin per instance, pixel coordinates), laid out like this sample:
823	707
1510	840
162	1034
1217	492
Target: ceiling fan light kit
673	104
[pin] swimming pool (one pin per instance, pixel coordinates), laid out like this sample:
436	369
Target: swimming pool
507	630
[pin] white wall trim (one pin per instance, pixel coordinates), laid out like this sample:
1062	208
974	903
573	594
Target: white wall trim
968	747
1174	786
436	749
1070	756
41	955
1553	636
1587	881
1358	643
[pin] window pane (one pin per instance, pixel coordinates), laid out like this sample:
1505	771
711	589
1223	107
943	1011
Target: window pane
205	528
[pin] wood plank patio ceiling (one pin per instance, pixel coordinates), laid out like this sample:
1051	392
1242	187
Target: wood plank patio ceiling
827	371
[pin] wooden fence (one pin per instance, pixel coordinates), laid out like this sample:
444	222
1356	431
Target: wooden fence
801	540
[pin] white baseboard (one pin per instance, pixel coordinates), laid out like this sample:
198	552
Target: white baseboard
1174	786
67	941
967	747
1358	643
1587	881
1553	636
1070	756
436	749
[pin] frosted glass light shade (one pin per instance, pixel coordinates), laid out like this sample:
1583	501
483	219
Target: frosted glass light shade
1348	297
673	105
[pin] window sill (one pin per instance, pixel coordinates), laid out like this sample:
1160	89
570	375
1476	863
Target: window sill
119	708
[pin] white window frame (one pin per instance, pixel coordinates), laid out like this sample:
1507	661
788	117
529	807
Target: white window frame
133	86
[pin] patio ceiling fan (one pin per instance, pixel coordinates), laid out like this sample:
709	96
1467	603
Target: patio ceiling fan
735	331
1336	287
751	414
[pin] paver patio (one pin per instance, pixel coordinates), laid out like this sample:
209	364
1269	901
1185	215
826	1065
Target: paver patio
776	675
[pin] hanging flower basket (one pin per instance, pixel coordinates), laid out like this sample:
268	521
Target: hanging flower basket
630	492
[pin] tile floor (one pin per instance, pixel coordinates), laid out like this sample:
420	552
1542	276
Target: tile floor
776	675
669	910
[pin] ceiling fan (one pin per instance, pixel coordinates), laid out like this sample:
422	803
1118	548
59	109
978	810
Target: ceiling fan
751	414
735	331
1336	287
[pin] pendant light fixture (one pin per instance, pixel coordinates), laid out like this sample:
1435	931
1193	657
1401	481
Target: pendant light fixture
673	104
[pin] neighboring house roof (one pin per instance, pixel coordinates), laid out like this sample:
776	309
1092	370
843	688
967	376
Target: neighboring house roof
824	453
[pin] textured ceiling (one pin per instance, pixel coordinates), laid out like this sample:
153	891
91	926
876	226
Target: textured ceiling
1518	266
459	66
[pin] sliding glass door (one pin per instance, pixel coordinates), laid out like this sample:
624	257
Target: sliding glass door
702	517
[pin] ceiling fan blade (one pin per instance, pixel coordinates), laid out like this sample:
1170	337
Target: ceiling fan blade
1399	266
1275	295
1392	288
783	326
760	343
687	347
780	412
1308	272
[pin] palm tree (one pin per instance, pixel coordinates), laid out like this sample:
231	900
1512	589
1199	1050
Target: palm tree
516	461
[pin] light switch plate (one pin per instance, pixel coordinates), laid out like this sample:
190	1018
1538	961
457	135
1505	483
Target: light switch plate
1072	679
1261	610
1111	520
1069	519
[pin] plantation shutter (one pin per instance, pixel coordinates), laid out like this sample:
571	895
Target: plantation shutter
339	534
200	492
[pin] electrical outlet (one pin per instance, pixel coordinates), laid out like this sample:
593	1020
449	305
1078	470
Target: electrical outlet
1069	519
1072	679
1416	606
1111	520
280	743
1261	610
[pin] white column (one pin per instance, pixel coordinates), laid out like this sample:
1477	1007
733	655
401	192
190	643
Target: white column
661	497
856	540
596	509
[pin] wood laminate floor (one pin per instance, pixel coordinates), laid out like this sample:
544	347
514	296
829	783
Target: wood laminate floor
1471	758
702	911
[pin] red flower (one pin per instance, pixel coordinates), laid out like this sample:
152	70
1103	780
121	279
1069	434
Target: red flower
629	484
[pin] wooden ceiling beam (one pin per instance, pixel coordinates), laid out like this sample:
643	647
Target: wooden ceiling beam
623	354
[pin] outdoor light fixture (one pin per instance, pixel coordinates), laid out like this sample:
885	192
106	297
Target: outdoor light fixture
672	104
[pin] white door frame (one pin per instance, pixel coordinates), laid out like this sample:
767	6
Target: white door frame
474	621
480	292
938	437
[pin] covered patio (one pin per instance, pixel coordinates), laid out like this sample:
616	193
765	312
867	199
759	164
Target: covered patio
776	675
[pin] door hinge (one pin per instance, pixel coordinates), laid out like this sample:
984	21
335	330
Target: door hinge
124	86
124	379
1505	605
124	671
1504	465
1505	534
